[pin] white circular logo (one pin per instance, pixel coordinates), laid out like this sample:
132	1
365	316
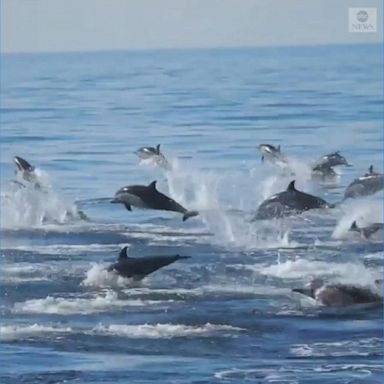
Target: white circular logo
362	16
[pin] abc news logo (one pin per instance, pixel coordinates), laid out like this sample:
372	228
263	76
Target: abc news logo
362	20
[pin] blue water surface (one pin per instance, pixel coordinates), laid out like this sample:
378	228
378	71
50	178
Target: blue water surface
227	314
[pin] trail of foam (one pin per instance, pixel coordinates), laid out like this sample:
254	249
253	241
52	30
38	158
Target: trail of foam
14	332
141	331
62	306
161	331
67	249
305	269
361	347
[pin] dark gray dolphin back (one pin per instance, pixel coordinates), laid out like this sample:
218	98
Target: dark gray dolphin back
138	268
366	185
332	160
289	202
151	199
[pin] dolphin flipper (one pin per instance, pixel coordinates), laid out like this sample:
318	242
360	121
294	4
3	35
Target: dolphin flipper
128	207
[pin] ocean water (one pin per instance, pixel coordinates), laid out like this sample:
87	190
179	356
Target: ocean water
227	314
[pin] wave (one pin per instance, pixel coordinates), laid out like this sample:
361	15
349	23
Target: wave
140	331
363	347
15	332
166	331
83	306
354	273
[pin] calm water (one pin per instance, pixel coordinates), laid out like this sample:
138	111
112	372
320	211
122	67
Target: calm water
227	314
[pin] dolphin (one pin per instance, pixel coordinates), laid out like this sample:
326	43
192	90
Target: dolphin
289	202
149	197
367	231
339	295
366	185
138	268
154	154
323	172
26	171
272	153
332	160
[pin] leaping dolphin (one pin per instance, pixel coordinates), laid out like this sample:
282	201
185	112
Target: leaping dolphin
366	185
26	171
289	202
339	295
149	197
154	154
272	153
367	231
323	172
332	160
138	268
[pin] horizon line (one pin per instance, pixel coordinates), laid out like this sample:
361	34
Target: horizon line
202	48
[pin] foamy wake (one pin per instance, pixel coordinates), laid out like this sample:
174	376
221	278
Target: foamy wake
163	331
29	207
14	332
141	331
63	306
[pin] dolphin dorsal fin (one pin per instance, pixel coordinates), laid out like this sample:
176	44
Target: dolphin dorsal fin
158	149
354	225
370	169
153	185
123	253
291	186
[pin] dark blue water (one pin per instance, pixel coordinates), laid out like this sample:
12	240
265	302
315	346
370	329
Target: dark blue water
227	314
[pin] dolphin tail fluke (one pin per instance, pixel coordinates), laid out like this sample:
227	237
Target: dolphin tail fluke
189	214
303	291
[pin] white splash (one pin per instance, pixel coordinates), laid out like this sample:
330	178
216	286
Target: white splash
98	276
27	206
363	211
223	200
